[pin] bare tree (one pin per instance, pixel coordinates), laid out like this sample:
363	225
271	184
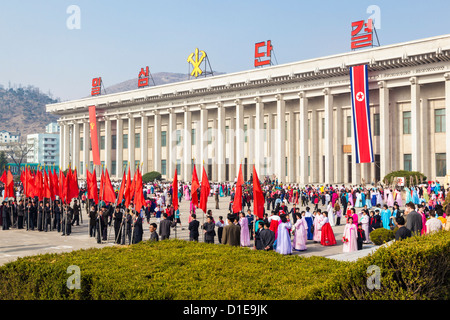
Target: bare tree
17	152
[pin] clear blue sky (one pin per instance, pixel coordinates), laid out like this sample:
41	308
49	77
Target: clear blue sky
117	38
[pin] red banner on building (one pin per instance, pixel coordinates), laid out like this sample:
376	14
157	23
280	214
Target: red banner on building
94	135
361	114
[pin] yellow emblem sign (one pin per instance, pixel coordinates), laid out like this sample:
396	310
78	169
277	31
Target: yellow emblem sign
196	62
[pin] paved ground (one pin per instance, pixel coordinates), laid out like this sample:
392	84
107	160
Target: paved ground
16	243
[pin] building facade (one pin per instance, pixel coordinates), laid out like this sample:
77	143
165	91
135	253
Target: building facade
9	137
292	121
44	149
52	127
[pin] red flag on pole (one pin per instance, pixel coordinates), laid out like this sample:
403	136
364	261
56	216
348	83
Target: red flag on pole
94	135
258	196
92	185
139	200
102	186
237	202
175	191
122	188
128	189
108	193
9	184
47	193
194	186
204	192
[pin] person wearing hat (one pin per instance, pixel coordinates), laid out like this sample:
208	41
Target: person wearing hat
20	214
76	212
5	216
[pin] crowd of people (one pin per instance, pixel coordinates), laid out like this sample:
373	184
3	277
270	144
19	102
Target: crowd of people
293	215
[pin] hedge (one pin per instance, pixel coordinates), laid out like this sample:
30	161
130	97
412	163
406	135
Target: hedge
381	235
421	178
151	176
416	268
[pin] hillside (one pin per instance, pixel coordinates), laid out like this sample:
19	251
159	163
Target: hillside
23	110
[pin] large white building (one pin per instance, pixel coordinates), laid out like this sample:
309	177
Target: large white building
9	137
291	120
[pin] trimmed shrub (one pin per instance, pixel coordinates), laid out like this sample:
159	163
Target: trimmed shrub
416	176
381	235
151	176
414	268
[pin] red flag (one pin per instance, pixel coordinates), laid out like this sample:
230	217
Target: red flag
195	185
128	190
108	190
3	177
9	184
62	189
39	185
72	188
258	196
47	193
122	188
175	191
133	187
237	202
204	192
139	200
55	184
102	186
92	185
94	135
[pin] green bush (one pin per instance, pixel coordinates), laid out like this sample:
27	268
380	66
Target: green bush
415	268
381	235
390	178
151	176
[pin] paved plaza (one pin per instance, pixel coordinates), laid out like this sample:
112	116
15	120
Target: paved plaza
20	243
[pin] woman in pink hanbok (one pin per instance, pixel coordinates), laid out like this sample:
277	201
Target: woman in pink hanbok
187	196
398	198
245	234
350	237
317	227
390	201
301	232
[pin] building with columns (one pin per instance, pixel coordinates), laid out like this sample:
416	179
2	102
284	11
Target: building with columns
292	120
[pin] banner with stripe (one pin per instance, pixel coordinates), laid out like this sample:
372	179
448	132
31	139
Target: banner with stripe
361	114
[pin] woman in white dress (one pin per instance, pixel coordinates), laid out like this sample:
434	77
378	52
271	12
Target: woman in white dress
365	225
350	237
330	211
300	232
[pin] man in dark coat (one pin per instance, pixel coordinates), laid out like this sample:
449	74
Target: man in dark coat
47	217
57	216
40	216
66	222
117	217
413	219
165	225
20	214
267	237
232	232
153	234
258	243
76	212
208	229
137	230
193	228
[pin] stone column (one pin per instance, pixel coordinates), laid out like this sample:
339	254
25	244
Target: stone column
172	146
447	126
250	146
385	130
415	125
221	145
271	143
314	158
86	143
304	178
131	142
292	147
66	145
187	144
108	145
339	154
157	141
203	138
144	143
281	139
119	147
239	135
259	136
75	146
61	143
328	141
